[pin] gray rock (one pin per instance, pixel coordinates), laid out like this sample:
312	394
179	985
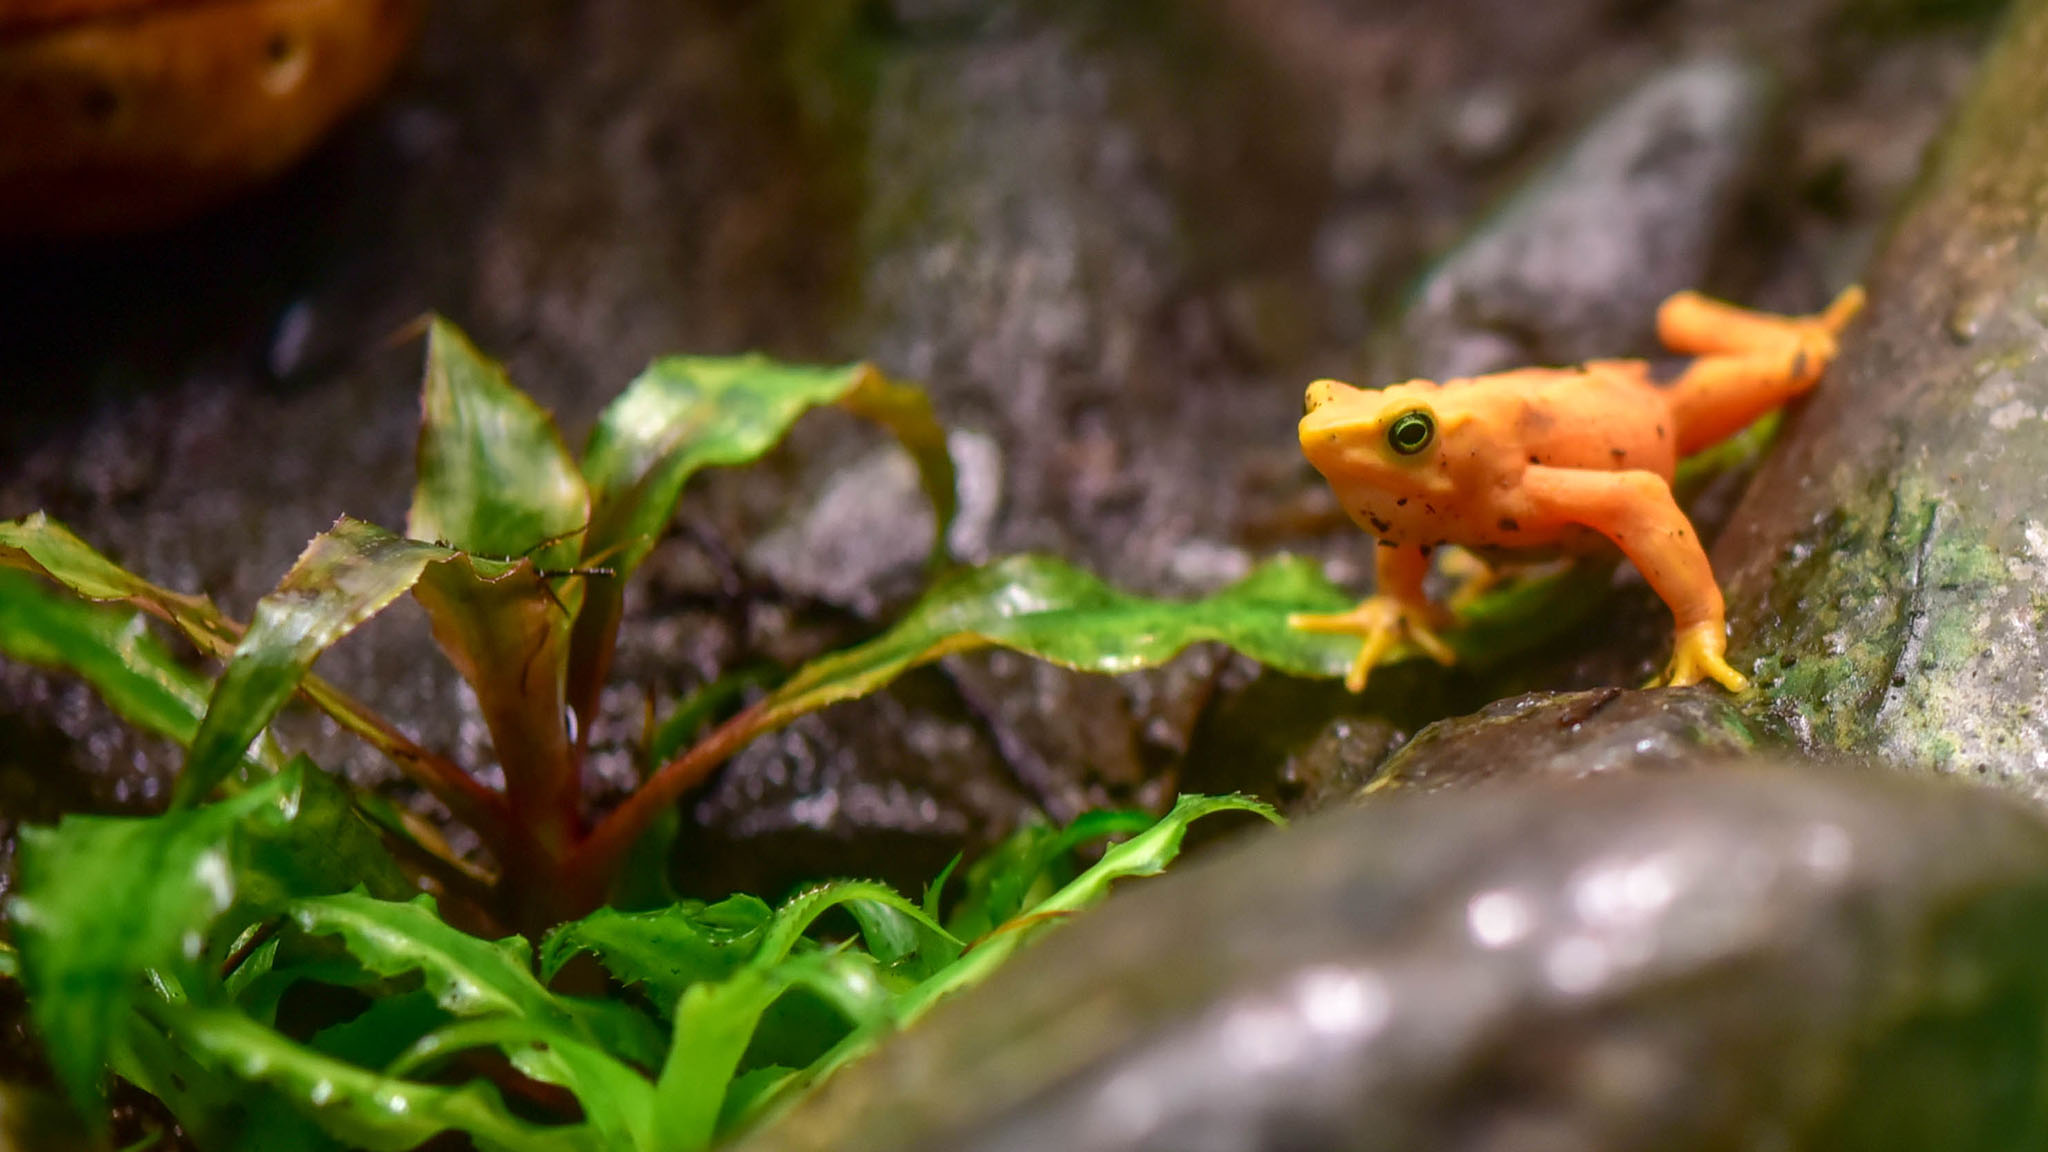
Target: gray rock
870	529
1569	735
1745	956
1886	570
1573	266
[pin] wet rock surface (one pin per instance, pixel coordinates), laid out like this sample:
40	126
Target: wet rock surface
1750	954
1886	570
1569	736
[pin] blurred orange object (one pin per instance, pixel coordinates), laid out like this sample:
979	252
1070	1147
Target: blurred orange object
118	115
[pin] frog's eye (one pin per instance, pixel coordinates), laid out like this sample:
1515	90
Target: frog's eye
1411	432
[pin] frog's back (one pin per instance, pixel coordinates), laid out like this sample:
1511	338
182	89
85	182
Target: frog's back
1608	415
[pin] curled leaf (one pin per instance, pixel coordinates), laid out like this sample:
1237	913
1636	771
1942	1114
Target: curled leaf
687	413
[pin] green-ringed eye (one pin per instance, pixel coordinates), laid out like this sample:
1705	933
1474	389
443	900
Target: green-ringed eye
1411	432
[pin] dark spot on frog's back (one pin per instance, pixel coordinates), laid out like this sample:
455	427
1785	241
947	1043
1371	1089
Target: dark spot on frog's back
1508	524
1378	525
1664	371
1620	455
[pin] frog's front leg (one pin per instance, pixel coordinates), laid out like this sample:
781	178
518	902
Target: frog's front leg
1398	609
1637	512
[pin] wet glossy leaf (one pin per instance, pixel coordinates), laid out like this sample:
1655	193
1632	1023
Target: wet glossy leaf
46	548
217	1110
1145	854
100	900
1050	610
41	545
666	950
361	1108
617	1101
717	1023
1030	864
1053	611
111	647
470	977
345	576
797	914
687	413
496	481
494	476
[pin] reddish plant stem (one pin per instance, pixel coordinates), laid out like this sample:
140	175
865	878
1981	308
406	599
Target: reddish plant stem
467	798
591	866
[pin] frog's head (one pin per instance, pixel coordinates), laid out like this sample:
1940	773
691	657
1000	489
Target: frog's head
1379	439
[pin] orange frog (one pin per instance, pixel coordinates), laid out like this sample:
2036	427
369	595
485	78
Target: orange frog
1557	460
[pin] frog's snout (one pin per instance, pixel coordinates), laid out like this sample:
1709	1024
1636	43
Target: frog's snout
1320	393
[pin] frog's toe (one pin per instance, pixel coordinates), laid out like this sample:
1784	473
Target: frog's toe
1698	655
1380	624
1843	310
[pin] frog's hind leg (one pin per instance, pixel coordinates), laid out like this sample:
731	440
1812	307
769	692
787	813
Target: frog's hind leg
1474	577
1692	324
1749	363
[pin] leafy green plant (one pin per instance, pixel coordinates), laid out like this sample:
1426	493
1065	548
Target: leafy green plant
257	956
168	947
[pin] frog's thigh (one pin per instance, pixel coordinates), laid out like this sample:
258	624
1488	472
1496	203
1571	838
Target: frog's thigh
1637	512
1719	396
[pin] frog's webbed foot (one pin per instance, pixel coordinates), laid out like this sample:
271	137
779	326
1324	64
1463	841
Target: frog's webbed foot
1380	622
1699	653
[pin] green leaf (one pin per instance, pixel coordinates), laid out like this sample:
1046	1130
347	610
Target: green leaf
469	977
717	1023
380	1033
667	950
39	545
496	481
345	576
45	547
1145	854
111	647
1047	609
313	840
714	1023
796	914
1050	610
361	1108
687	413
494	476
1033	859
617	1102
100	900
216	1109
